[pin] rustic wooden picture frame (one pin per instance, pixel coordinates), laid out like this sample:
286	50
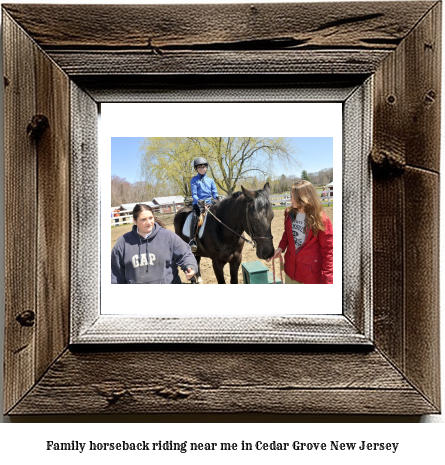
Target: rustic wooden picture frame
76	56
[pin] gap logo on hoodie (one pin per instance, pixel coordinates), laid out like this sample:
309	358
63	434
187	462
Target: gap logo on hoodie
143	262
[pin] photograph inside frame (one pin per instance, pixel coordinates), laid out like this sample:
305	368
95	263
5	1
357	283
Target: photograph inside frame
214	210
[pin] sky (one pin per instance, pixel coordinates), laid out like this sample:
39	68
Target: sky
314	153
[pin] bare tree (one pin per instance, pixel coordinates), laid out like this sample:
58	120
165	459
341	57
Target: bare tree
119	190
232	160
238	159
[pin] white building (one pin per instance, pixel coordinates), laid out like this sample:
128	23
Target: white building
330	187
168	204
130	206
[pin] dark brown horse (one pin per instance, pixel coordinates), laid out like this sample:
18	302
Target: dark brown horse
246	211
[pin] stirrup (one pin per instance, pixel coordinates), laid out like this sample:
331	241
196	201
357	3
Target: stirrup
193	245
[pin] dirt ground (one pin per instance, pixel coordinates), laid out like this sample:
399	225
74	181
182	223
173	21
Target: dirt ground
249	254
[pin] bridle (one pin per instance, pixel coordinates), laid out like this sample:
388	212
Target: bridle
250	231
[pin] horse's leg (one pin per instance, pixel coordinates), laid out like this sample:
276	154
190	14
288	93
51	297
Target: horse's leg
234	268
198	274
218	268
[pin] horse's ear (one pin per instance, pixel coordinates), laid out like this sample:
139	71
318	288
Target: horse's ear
267	188
250	195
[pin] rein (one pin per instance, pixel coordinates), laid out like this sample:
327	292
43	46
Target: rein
230	229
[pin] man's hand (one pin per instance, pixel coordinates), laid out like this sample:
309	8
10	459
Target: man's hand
277	253
189	273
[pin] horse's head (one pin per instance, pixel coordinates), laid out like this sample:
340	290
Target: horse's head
258	220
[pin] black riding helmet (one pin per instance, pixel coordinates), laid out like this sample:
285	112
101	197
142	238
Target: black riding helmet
199	161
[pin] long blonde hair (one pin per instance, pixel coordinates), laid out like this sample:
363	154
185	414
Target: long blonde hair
305	195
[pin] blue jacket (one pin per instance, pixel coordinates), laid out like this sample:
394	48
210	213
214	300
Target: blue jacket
155	260
203	188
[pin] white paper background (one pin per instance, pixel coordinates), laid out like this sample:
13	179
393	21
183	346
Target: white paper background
220	119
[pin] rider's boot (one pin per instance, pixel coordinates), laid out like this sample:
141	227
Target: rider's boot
193	224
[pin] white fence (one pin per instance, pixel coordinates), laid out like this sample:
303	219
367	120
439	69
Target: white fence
122	218
328	198
284	200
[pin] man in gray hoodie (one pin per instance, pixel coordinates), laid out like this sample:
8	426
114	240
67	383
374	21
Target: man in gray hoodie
151	258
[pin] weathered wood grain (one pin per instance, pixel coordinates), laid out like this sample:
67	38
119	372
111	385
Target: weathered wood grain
89	327
422	280
222	382
406	132
218	88
388	268
53	208
388	202
357	229
85	207
20	213
131	63
407	114
389	157
37	229
341	25
423	91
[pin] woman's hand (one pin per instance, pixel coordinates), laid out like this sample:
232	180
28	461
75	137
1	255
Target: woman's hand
277	253
189	273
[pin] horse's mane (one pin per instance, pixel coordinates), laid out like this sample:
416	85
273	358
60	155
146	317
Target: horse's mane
233	197
237	194
227	201
226	206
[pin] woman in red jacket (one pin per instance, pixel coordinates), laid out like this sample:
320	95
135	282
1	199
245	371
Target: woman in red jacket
307	238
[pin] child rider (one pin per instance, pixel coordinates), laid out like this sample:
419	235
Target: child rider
203	188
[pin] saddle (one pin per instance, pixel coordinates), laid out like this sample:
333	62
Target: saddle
201	224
